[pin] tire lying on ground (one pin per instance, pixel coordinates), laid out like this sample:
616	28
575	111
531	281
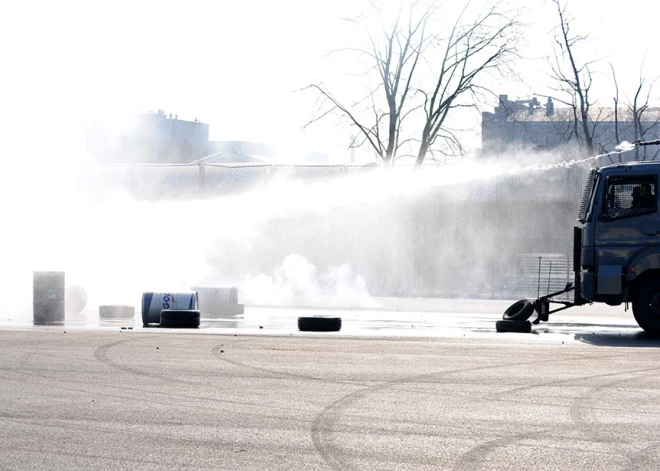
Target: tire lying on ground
174	318
519	311
523	327
116	312
319	324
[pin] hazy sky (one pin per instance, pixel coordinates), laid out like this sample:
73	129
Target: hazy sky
236	64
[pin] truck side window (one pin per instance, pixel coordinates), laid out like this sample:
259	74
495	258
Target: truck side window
630	197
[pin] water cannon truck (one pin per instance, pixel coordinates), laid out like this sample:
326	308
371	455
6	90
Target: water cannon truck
616	249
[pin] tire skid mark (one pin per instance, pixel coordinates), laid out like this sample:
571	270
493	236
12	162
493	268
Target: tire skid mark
481	451
173	396
56	452
586	421
170	398
475	457
101	354
569	380
513	402
60	425
115	387
646	457
324	423
69	381
548	383
277	374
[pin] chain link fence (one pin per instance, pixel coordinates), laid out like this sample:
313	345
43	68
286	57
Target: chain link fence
536	275
222	180
175	181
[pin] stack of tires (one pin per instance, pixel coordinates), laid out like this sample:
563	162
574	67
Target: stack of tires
515	318
170	310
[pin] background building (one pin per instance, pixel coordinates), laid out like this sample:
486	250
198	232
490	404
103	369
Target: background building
531	124
160	138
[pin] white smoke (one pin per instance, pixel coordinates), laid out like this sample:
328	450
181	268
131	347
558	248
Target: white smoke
625	146
295	280
117	247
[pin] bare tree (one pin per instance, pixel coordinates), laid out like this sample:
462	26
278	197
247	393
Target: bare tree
415	83
395	59
616	106
570	126
471	49
576	81
645	119
617	138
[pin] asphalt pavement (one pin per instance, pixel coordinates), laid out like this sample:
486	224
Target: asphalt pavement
437	391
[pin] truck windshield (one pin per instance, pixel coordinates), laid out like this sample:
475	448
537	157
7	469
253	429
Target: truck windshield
629	196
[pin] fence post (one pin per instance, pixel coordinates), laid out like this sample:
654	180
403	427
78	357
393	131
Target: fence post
568	268
538	289
201	180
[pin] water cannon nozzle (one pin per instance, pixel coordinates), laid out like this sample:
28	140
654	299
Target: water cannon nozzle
642	142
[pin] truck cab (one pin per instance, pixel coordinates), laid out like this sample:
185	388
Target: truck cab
617	247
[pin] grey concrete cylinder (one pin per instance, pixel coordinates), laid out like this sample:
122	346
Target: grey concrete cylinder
48	298
218	301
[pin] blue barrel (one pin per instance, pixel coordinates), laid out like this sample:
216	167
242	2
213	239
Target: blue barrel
48	298
153	303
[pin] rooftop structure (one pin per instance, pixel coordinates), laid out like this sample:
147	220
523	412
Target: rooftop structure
528	123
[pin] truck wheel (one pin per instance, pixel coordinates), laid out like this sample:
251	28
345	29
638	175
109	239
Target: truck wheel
519	311
646	306
173	318
523	327
319	324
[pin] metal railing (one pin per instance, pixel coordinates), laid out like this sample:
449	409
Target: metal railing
157	181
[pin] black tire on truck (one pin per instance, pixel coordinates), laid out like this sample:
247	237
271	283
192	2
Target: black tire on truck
185	319
646	305
519	311
319	324
523	327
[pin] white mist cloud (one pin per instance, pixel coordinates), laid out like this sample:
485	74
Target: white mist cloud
117	247
625	146
296	279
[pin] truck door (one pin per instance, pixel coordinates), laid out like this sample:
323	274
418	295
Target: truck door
628	221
